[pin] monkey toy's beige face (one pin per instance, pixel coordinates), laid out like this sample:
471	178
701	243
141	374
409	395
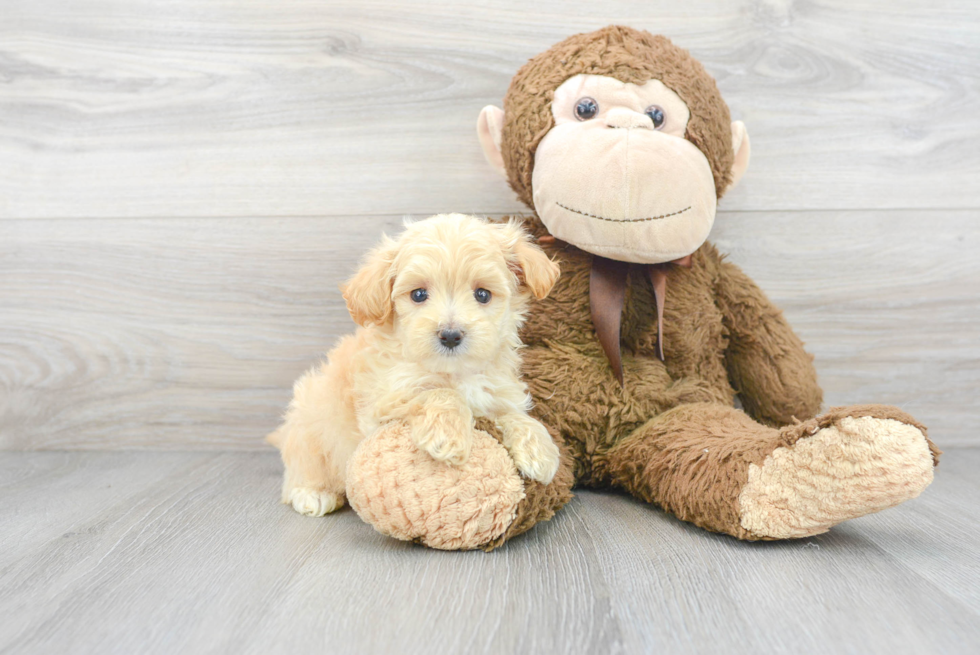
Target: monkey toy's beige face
616	174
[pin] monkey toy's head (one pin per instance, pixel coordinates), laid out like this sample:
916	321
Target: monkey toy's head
620	142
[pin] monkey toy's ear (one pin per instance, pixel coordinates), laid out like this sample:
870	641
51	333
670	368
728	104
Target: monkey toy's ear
489	127
368	293
740	144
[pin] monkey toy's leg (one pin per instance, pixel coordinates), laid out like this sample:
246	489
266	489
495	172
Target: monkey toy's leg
404	493
714	466
541	501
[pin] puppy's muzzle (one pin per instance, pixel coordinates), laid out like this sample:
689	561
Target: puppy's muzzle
450	338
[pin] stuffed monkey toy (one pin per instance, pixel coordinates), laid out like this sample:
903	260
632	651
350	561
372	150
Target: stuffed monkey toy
621	144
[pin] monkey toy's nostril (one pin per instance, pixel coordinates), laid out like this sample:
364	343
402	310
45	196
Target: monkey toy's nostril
450	338
627	119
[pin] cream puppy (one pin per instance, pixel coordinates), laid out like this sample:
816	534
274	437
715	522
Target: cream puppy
439	311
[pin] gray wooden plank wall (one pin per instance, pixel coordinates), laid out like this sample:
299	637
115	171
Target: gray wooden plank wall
183	185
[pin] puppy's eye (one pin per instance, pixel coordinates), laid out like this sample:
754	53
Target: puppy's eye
482	296
419	295
586	108
657	115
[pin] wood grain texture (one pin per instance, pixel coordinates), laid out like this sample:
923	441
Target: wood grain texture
188	333
191	553
256	108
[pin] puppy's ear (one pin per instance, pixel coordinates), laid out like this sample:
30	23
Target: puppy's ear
368	293
532	267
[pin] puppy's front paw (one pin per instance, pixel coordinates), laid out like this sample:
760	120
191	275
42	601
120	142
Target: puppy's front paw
533	451
445	444
312	502
442	426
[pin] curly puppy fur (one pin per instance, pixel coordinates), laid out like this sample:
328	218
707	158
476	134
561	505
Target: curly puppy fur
396	367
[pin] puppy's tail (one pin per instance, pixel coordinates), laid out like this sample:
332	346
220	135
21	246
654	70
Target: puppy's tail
275	438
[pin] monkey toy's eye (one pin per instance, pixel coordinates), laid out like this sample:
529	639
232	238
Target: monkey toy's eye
656	114
586	108
482	296
419	295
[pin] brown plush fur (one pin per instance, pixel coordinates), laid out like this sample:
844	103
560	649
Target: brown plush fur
627	55
540	501
693	461
670	434
721	327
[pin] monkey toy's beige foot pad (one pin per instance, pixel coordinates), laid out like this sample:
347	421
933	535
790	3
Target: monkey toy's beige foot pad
405	493
834	472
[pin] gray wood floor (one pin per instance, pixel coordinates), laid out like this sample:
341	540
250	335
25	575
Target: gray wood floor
139	552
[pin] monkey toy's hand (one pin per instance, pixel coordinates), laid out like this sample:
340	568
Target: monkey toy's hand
442	425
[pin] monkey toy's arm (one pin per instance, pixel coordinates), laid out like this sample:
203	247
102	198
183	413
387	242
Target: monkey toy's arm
766	362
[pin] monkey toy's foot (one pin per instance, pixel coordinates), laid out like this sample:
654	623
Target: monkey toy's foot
847	463
405	493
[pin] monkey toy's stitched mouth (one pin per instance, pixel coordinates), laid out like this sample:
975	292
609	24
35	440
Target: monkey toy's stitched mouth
622	220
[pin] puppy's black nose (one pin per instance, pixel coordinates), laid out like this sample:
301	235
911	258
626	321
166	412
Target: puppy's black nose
450	338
